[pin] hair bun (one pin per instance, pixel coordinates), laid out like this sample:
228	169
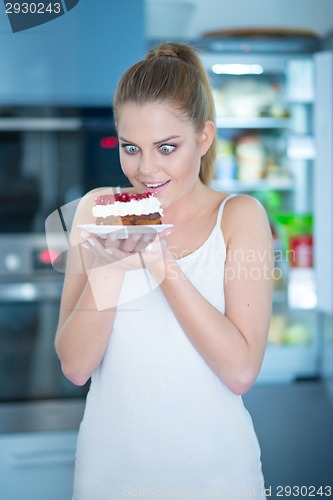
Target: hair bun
163	50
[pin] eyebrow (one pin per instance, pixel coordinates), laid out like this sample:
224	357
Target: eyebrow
155	143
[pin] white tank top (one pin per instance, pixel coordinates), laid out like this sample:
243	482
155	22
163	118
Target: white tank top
158	422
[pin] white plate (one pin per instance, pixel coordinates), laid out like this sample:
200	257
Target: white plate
124	231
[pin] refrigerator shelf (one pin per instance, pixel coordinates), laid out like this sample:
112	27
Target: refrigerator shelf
237	186
252	123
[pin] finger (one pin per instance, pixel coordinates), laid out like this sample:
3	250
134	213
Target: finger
95	245
112	239
154	237
153	257
130	243
92	243
165	233
89	240
85	235
144	241
127	260
156	247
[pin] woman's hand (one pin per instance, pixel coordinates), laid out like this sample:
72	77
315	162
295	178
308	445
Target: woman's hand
138	251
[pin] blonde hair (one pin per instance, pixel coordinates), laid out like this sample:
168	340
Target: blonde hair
172	72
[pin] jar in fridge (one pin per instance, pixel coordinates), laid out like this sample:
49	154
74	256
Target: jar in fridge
251	159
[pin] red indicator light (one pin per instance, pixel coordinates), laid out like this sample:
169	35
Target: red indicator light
108	142
48	256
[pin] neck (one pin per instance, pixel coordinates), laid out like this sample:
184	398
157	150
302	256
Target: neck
188	205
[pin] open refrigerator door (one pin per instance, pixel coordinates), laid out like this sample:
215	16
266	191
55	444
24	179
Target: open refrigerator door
323	201
266	148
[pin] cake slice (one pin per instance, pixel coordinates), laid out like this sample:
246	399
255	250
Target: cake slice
127	209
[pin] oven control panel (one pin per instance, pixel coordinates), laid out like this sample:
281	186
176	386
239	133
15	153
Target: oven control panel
30	254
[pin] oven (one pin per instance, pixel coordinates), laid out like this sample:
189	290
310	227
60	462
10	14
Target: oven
51	156
30	292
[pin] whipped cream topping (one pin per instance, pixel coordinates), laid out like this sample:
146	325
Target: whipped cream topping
133	207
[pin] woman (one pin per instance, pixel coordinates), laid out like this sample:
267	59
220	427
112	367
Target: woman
164	416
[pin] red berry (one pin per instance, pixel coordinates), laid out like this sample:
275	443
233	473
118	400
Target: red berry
108	199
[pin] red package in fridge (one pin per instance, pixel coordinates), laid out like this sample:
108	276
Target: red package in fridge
301	254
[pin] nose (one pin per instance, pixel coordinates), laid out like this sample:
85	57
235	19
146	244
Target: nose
147	164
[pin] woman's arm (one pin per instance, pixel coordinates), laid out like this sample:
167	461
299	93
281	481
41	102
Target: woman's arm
232	344
86	312
84	330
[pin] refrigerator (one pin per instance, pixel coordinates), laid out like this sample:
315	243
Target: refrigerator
273	100
323	193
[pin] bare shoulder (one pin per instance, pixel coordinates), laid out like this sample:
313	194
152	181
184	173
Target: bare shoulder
243	214
242	203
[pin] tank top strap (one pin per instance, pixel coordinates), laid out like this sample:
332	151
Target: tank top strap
220	212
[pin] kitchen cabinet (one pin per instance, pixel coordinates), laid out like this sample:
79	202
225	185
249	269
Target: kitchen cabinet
265	110
37	465
76	59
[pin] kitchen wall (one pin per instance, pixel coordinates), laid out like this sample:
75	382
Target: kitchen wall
77	58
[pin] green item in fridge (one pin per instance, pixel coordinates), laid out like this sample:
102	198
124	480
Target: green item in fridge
271	199
274	200
297	334
288	225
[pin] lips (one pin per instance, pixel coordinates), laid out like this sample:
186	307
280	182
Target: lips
154	185
157	187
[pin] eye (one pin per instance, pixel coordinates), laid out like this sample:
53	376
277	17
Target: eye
130	148
167	148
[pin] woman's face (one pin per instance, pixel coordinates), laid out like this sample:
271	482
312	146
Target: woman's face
160	150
